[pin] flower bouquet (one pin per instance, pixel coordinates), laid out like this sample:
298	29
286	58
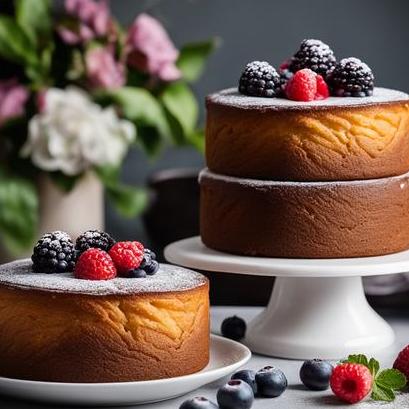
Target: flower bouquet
77	91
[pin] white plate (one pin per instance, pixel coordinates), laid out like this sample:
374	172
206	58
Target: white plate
225	357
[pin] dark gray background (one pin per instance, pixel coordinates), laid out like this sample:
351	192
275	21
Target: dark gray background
377	31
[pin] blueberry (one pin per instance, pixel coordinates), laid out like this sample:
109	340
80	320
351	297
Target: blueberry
236	394
234	328
152	268
151	254
271	382
145	261
248	376
315	374
136	273
198	402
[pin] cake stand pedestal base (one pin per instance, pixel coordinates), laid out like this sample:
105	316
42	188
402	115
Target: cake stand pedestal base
313	317
317	308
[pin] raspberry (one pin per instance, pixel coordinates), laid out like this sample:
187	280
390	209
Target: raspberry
402	361
306	85
95	264
127	255
322	88
351	382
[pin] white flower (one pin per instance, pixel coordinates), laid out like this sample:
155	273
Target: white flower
73	134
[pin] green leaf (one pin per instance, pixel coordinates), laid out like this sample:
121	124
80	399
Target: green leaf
391	378
34	17
197	139
192	58
357	359
181	106
15	45
129	201
382	393
373	366
140	106
18	213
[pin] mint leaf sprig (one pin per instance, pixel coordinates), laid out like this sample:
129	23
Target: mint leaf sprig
385	382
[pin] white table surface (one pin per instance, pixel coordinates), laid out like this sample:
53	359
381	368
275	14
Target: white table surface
296	396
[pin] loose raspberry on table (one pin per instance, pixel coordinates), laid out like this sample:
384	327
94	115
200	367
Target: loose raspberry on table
351	382
402	361
95	264
127	255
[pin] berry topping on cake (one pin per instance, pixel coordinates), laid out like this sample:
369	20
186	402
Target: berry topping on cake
351	382
351	78
236	394
54	253
402	361
95	264
260	79
306	85
315	55
136	273
234	328
271	382
94	239
315	374
127	255
149	264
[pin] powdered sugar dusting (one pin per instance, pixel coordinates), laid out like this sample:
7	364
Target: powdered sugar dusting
257	183
231	97
169	278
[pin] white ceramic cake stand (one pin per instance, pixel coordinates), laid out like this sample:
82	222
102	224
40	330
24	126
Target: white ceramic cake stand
318	307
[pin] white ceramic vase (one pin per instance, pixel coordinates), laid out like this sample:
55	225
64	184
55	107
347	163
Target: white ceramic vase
74	212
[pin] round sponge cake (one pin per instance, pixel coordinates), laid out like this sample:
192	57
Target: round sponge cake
305	219
59	328
331	139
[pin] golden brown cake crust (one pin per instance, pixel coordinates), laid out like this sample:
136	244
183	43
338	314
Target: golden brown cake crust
62	337
305	219
335	139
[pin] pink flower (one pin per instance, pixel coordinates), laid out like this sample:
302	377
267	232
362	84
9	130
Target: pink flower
13	97
151	50
102	69
94	20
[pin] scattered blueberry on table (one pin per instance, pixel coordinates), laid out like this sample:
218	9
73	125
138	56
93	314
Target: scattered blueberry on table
236	394
271	382
234	328
315	374
248	376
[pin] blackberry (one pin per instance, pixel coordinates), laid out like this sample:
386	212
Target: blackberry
54	253
351	78
94	239
315	55
260	79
